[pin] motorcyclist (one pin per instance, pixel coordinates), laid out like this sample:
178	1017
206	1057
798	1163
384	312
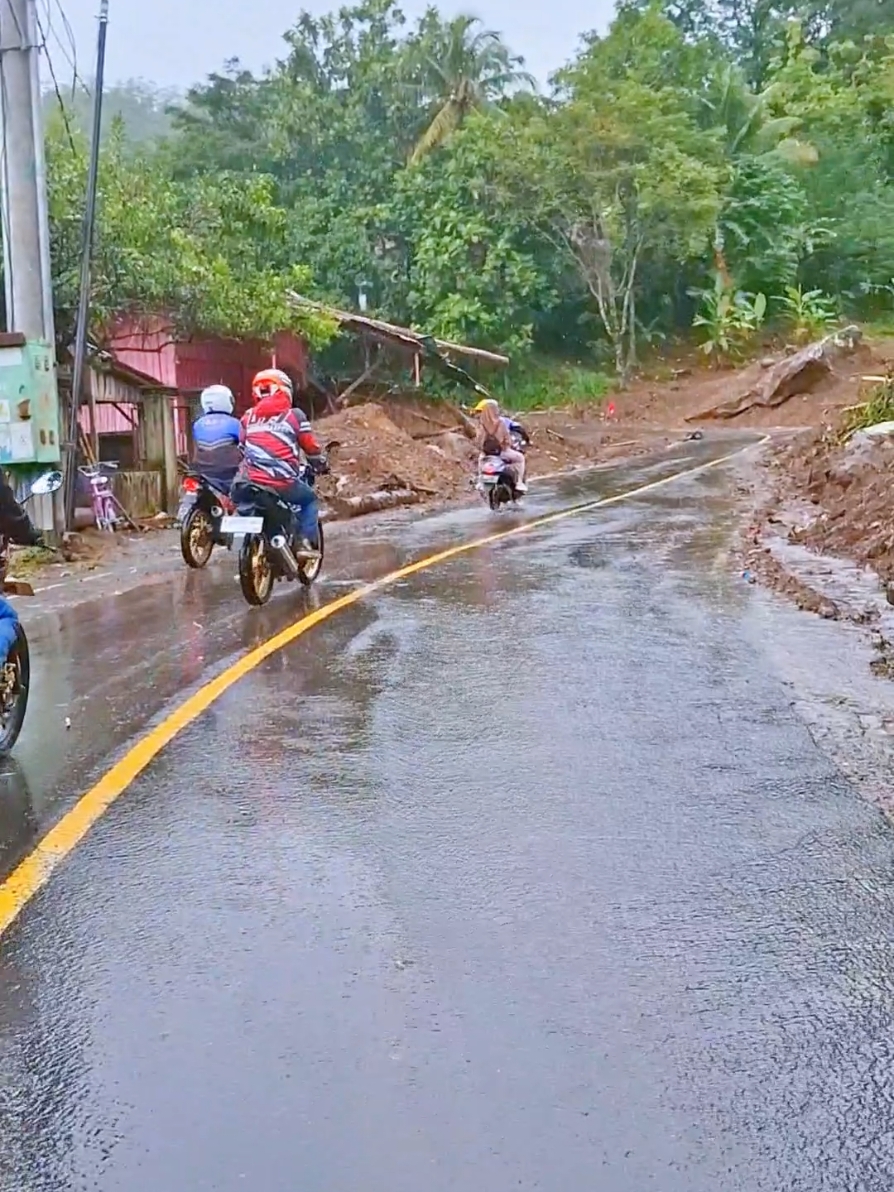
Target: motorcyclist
216	434
273	437
495	438
16	525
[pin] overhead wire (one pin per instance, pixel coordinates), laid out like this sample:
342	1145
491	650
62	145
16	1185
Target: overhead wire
62	107
70	52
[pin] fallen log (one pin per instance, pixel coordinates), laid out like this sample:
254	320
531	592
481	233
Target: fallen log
798	373
375	502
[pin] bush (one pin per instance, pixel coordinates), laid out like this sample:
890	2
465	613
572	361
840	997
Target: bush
541	384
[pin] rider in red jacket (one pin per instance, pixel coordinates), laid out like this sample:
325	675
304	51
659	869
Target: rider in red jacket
273	437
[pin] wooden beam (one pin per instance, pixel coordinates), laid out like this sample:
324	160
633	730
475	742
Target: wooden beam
405	334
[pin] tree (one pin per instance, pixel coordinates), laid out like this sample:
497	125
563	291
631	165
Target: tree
471	271
621	175
140	107
206	252
459	68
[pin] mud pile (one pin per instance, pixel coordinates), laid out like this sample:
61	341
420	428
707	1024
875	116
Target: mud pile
376	457
848	491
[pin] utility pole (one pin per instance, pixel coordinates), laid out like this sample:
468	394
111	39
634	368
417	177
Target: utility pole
25	245
71	451
23	198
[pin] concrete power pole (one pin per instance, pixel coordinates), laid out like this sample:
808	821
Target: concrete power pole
26	239
23	190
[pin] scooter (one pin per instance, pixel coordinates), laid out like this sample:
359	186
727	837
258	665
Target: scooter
497	479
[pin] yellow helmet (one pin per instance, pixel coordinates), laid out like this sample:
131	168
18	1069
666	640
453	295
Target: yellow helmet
481	405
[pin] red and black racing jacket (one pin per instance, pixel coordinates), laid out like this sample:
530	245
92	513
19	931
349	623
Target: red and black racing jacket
273	437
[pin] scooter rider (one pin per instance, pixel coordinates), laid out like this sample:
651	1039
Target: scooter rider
273	437
216	434
494	438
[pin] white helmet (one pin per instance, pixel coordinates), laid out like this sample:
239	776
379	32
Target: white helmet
217	399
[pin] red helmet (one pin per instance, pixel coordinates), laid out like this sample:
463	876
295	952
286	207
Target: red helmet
270	381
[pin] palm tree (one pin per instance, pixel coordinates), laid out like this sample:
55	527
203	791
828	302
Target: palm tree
744	116
748	128
458	68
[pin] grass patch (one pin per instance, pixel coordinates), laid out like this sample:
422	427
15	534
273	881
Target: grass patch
540	384
881	327
28	560
879	408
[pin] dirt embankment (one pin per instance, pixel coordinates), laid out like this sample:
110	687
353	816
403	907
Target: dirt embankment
822	529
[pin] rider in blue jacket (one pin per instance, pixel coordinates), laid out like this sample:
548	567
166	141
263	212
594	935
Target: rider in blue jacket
217	454
516	428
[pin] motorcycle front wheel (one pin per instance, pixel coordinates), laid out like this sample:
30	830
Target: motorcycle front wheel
15	682
255	571
196	538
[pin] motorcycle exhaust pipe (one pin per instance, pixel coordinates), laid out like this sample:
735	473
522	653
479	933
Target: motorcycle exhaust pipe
281	545
216	511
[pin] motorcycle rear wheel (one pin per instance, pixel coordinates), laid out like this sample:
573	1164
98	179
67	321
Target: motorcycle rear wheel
310	570
255	570
15	683
196	538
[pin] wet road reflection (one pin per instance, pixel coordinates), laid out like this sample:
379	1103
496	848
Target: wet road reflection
523	874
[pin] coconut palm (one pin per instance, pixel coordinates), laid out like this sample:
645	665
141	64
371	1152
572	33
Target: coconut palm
458	68
748	126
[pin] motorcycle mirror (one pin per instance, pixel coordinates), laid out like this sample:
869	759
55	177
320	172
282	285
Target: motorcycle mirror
49	482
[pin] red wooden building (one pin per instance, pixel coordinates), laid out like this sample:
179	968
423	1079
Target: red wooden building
188	366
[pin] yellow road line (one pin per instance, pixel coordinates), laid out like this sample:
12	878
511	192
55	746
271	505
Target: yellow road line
24	882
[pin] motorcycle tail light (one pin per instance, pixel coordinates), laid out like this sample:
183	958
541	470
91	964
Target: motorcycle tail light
190	484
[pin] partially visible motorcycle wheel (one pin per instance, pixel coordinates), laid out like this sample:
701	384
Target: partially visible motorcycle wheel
255	572
309	570
15	683
196	538
498	496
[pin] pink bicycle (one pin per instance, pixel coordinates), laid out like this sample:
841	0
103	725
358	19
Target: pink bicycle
108	511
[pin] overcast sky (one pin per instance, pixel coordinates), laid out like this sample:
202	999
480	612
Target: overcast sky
176	42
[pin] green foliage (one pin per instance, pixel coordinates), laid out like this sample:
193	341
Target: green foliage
878	408
811	313
472	273
541	383
695	136
458	69
141	108
207	252
729	319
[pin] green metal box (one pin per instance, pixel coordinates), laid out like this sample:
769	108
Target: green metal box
29	402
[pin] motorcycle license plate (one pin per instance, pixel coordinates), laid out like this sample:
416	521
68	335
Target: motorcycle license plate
241	525
185	505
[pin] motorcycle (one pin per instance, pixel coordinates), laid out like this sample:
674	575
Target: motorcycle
15	672
497	479
203	505
270	550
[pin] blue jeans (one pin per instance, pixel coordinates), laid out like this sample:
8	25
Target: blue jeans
301	494
9	620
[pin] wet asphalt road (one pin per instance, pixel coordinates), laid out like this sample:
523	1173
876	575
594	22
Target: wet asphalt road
525	873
